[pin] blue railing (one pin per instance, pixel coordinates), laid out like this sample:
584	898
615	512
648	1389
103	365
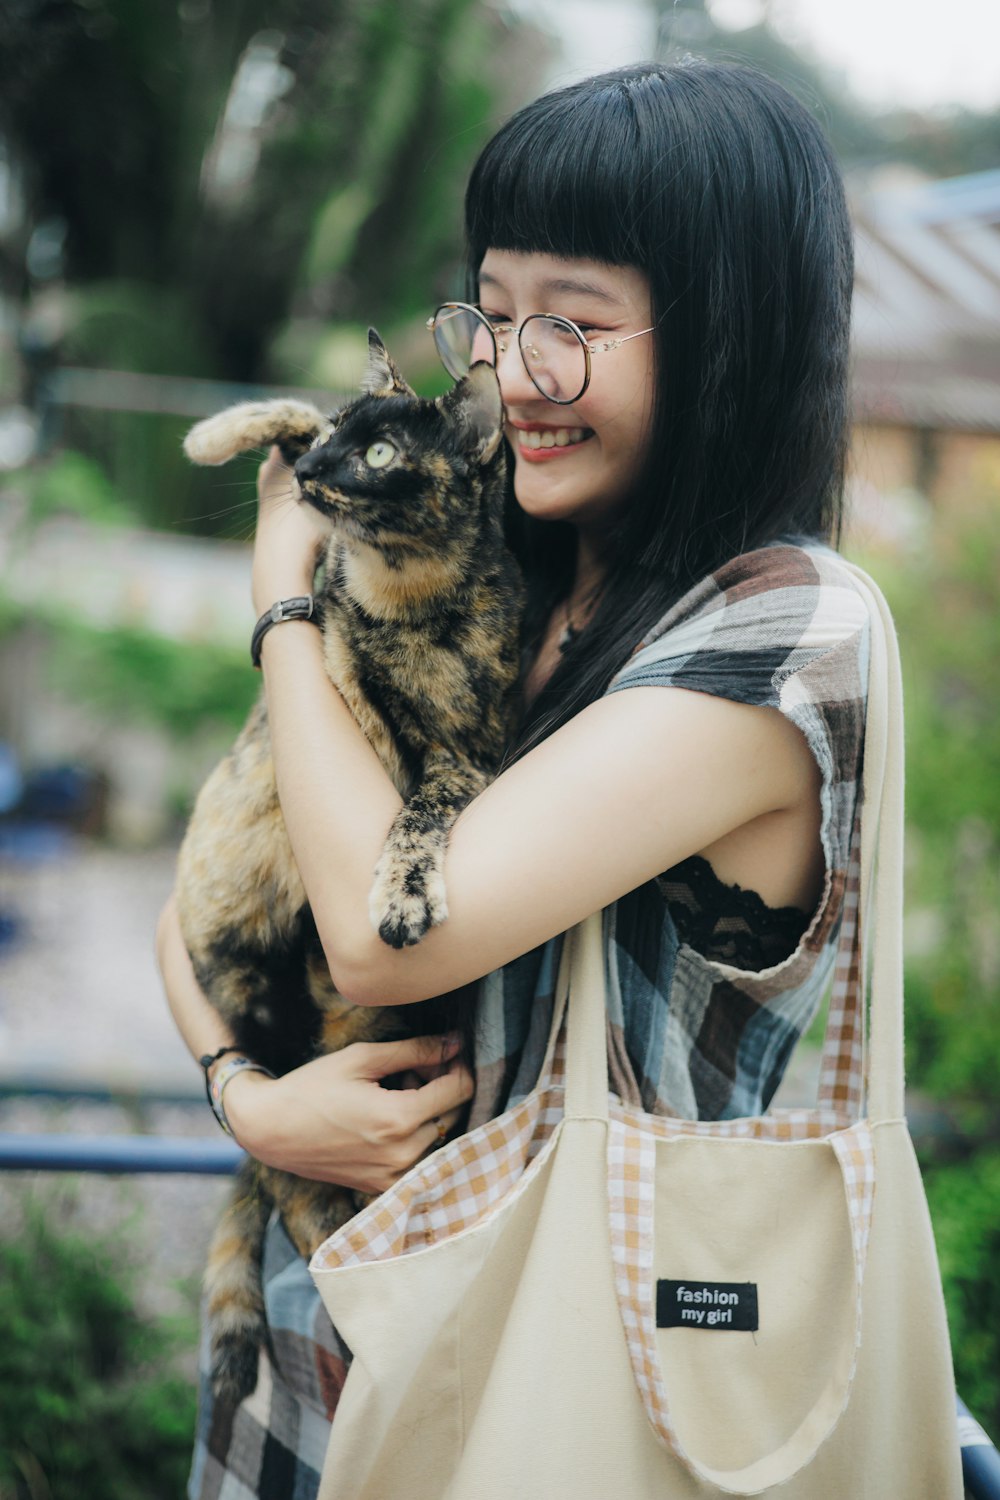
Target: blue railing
44	1152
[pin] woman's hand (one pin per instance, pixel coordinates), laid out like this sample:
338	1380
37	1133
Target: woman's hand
331	1120
290	537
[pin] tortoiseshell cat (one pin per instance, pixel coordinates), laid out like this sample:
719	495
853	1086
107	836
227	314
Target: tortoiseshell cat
421	612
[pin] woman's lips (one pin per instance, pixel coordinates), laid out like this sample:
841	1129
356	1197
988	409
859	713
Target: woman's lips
537	443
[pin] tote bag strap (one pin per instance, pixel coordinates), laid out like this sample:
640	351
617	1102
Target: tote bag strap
881	897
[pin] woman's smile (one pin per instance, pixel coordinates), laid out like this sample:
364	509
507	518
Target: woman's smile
537	442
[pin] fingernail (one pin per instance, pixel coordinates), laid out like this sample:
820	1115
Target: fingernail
452	1038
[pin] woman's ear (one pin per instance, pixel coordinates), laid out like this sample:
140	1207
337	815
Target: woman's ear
475	407
381	377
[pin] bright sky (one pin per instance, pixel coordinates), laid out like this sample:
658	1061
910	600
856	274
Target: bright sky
891	52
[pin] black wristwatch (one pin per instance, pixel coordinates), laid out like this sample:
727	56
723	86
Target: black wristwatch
301	607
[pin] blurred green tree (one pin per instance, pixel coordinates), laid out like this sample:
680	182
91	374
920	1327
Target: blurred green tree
237	155
945	598
201	171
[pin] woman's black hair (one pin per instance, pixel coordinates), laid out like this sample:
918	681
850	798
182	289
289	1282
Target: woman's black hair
720	186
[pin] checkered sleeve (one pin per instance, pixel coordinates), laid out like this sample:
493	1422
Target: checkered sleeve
782	627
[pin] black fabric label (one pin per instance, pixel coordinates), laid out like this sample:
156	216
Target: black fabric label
707	1304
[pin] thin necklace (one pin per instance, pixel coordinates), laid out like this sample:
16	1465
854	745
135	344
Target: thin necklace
571	631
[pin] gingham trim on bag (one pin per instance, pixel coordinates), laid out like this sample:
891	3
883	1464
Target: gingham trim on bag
632	1138
841	1081
631	1160
456	1186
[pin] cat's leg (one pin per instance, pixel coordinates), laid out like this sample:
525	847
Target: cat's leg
293	425
408	894
233	1287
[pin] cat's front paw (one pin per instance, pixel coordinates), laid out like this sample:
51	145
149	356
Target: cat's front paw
405	902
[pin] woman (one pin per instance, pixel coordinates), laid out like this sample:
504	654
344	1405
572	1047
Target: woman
690	222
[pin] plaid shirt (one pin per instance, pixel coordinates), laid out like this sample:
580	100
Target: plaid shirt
782	627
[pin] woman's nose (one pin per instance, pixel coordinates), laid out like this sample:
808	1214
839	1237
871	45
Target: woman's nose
515	383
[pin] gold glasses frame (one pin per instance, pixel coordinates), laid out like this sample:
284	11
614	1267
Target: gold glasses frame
500	346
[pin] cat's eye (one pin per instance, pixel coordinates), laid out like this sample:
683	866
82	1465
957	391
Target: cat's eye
380	454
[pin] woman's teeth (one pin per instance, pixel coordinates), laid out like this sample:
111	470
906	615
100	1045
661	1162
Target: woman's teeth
553	437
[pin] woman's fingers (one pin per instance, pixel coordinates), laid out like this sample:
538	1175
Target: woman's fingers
442	1097
381	1059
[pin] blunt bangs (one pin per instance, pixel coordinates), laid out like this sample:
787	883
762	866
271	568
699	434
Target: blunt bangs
541	185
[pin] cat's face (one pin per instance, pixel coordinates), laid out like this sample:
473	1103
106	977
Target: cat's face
398	471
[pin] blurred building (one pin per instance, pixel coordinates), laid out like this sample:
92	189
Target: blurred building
927	335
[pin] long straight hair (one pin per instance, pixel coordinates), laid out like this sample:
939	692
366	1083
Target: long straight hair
718	184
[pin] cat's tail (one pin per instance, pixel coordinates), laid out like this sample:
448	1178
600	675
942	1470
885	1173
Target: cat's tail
255	424
234	1287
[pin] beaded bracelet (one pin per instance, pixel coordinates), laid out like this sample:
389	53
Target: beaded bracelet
228	1071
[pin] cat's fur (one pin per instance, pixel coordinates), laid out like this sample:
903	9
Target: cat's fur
421	608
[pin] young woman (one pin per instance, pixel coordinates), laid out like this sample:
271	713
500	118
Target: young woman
689	755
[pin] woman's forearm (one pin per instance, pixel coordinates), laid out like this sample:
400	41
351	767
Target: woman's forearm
199	1023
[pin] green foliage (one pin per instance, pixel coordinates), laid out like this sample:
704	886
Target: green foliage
90	1408
73	484
963	1200
272	161
131	675
946	603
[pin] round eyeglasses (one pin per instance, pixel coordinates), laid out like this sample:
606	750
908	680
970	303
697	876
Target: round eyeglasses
554	351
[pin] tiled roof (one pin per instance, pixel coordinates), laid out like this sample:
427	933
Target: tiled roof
927	301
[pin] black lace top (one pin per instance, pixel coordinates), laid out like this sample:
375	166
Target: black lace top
726	923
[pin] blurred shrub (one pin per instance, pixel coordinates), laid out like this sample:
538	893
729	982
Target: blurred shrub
73	484
131	675
946	603
90	1408
964	1199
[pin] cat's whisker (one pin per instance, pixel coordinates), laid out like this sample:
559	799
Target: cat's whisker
212	515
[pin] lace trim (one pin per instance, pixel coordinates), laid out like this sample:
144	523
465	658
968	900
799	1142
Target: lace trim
727	924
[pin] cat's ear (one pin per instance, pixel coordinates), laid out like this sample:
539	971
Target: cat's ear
475	407
381	378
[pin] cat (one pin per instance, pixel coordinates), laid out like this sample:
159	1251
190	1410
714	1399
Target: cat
421	608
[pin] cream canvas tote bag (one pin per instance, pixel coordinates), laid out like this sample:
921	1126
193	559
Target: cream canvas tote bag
579	1301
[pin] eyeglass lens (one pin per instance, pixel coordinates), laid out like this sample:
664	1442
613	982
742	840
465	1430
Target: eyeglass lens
553	354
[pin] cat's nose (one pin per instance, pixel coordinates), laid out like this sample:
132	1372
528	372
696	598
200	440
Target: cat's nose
309	465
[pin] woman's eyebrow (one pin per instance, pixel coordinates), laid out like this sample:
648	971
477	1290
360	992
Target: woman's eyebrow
570	285
580	288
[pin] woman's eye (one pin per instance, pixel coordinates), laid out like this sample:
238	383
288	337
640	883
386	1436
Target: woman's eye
380	454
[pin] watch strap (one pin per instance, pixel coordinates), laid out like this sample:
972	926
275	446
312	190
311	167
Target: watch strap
299	607
215	1086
